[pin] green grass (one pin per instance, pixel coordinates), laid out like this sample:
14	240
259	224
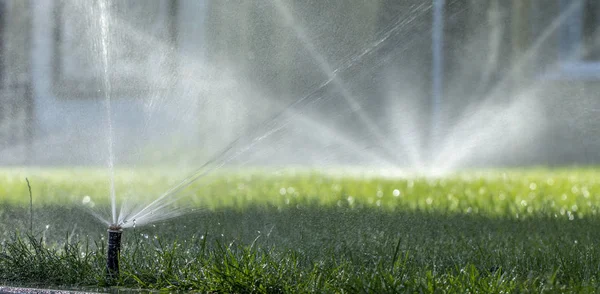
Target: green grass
302	231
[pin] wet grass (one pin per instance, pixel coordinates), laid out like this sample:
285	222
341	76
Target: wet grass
507	231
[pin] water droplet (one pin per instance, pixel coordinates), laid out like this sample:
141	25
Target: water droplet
146	236
532	186
429	201
134	223
396	193
586	193
523	203
282	191
86	199
350	200
47	227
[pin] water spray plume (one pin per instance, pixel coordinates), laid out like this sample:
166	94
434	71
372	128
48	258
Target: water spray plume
105	31
247	141
332	76
483	123
404	148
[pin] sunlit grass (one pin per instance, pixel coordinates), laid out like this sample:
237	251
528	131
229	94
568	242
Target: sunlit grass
568	193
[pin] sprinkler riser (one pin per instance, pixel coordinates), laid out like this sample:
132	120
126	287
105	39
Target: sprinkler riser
114	250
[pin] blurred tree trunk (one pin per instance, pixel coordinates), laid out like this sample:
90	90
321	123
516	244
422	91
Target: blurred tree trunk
17	110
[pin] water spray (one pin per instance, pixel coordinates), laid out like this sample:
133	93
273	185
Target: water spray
437	71
114	249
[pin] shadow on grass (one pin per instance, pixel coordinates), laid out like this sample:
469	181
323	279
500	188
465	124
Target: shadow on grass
269	249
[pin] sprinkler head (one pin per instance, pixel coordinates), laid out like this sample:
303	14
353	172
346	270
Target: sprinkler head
114	249
114	227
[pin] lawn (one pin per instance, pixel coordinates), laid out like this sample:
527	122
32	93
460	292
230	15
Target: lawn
301	230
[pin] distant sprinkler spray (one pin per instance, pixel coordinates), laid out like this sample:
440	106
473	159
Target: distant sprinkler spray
437	71
114	249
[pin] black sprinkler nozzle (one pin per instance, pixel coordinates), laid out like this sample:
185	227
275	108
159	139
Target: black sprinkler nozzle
114	249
